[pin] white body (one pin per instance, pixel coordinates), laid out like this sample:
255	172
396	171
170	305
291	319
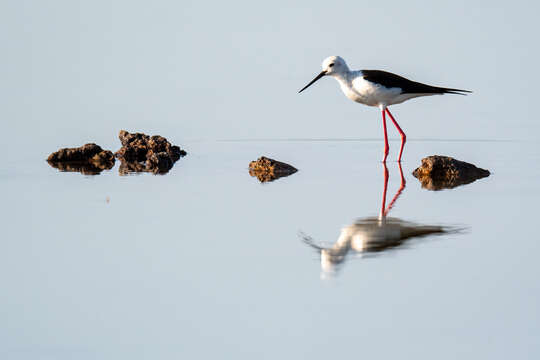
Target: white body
356	88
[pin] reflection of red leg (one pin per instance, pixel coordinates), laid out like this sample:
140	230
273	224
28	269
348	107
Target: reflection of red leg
401	133
398	193
402	178
383	206
386	147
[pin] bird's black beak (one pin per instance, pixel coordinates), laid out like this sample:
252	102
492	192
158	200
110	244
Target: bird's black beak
312	81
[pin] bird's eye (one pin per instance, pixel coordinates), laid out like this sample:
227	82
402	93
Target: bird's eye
330	65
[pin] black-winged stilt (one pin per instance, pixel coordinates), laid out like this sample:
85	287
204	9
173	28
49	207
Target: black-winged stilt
378	88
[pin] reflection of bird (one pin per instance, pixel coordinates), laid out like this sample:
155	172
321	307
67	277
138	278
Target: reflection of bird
378	88
371	235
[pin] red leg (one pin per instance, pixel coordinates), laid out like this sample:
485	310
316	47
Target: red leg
401	133
386	147
383	205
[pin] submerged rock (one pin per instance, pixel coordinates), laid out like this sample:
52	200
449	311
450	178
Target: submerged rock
143	153
266	169
443	172
89	159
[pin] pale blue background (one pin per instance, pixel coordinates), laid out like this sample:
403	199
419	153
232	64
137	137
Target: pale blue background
205	262
209	70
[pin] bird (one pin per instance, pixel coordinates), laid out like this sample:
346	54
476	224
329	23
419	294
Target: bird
378	88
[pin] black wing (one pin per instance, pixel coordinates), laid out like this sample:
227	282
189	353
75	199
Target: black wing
390	80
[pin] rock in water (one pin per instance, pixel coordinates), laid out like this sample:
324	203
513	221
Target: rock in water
443	172
89	159
143	153
266	169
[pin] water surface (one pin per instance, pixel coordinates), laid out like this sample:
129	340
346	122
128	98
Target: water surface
206	262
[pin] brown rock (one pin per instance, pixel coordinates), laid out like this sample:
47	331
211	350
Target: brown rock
442	172
89	159
160	162
266	169
143	153
82	153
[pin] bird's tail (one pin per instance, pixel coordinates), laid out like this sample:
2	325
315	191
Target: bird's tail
442	90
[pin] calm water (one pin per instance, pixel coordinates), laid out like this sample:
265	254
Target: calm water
206	262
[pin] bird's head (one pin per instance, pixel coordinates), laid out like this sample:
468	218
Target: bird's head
334	65
330	66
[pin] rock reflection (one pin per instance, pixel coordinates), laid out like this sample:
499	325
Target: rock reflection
135	167
371	235
85	168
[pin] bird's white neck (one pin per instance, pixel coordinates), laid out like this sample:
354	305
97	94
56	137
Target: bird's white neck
343	76
345	79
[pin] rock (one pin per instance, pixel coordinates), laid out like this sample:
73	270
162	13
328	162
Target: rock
89	159
266	169
443	172
81	154
143	153
159	162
